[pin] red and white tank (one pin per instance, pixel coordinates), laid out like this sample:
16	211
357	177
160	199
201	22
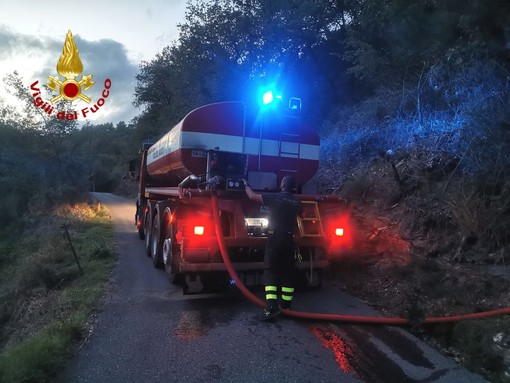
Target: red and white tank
275	144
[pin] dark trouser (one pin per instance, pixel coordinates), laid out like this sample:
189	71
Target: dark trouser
279	269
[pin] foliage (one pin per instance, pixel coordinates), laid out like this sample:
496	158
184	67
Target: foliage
104	151
54	131
481	339
48	160
45	300
414	93
38	358
226	48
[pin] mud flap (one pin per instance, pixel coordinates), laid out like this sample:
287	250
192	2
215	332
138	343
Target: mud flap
193	284
313	278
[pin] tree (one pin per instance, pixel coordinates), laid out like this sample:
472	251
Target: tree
52	130
227	47
416	53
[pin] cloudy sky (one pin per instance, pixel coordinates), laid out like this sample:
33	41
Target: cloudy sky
112	38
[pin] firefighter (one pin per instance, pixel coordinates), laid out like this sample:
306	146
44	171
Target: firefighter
279	257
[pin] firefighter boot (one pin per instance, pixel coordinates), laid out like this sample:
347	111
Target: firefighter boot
271	311
287	295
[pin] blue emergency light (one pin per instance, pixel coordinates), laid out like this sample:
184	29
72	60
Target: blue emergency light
273	101
268	97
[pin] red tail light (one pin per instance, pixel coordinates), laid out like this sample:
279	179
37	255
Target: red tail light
198	230
339	231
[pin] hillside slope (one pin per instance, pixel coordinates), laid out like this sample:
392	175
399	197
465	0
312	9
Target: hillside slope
431	243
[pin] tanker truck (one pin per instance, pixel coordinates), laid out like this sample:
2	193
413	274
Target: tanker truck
207	154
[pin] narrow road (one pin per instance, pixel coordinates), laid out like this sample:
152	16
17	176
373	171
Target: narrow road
147	331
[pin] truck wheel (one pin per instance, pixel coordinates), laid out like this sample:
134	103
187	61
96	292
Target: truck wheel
157	243
170	261
141	231
148	237
307	281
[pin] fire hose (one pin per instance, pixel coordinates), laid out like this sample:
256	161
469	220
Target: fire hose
332	317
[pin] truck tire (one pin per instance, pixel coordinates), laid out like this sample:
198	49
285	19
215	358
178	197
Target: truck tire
306	281
141	231
171	250
171	258
147	228
156	243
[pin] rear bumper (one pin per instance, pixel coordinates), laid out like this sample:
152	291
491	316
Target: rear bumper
243	266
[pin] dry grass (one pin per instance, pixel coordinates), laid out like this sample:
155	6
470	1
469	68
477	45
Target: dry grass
468	209
45	299
472	219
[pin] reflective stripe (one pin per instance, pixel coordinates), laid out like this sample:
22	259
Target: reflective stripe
287	297
271	288
287	289
271	296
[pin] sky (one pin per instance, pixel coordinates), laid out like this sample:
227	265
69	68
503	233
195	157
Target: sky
112	37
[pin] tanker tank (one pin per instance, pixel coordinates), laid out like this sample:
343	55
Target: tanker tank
273	145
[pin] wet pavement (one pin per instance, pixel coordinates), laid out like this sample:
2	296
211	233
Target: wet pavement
147	331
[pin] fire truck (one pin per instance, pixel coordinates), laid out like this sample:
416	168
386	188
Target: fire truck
207	154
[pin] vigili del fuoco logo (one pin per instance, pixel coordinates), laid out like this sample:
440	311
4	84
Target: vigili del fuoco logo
70	67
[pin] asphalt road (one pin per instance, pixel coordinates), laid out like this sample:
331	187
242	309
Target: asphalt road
147	331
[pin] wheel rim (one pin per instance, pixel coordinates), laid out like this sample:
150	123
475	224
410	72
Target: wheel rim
167	251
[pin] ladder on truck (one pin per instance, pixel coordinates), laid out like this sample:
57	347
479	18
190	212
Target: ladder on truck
289	147
309	223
